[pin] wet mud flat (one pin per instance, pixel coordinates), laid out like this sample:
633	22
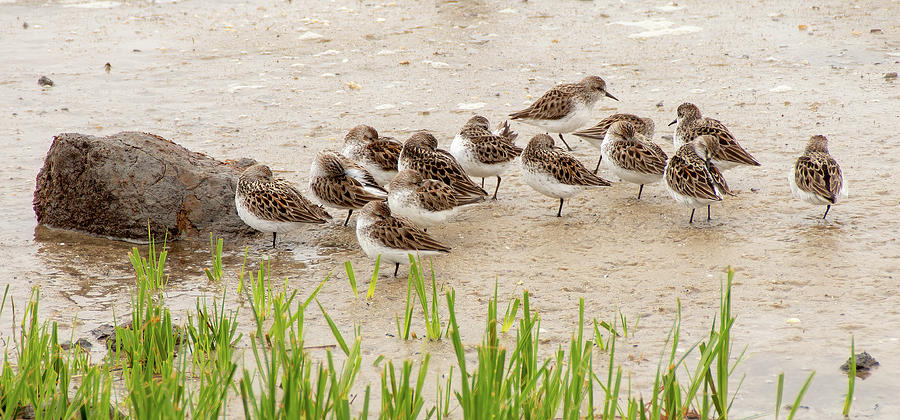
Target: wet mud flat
277	81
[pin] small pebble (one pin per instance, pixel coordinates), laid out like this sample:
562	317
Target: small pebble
875	31
890	76
659	104
24	25
46	82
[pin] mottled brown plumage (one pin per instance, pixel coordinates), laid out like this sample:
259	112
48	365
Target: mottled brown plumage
377	154
337	182
643	126
420	153
276	199
691	124
565	168
816	177
560	100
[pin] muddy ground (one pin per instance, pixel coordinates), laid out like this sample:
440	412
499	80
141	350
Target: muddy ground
277	81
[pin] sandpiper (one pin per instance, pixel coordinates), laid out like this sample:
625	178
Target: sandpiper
339	183
691	124
481	152
555	173
420	153
816	177
393	237
691	177
633	157
566	107
270	204
426	202
595	135
377	154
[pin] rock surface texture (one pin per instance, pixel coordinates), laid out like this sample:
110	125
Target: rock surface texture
113	186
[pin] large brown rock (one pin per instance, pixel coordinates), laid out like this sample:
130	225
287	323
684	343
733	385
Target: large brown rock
114	185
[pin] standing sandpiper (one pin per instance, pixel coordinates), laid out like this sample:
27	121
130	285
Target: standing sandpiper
482	153
394	238
377	154
566	107
816	177
555	173
340	183
270	204
691	177
691	124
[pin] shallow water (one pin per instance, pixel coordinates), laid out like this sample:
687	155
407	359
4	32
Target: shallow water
272	81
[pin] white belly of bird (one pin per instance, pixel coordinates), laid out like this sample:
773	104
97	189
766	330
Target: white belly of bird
463	150
724	165
372	247
262	225
687	200
546	184
382	177
579	117
404	204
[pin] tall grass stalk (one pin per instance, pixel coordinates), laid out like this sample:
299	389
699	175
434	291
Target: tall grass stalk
430	312
851	381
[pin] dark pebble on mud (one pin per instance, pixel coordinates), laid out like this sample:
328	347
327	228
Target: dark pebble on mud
24	25
45	81
84	344
890	76
865	363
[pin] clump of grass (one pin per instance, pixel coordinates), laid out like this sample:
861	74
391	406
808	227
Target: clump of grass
215	273
430	311
399	398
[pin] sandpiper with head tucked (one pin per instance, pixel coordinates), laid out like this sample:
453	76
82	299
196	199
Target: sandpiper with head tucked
633	157
816	177
339	183
481	152
566	107
691	125
691	177
393	237
595	135
426	202
377	154
270	204
555	173
421	154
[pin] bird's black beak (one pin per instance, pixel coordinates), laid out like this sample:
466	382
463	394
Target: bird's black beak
673	122
610	96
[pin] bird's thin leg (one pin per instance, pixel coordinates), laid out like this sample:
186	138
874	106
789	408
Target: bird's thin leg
559	213
708	217
396	268
348	217
273	238
640	191
826	211
692	216
482	182
598	164
564	142
495	189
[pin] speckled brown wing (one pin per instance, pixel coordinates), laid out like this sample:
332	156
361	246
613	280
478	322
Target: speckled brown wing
553	105
690	179
494	149
820	174
284	204
343	191
641	156
598	131
568	170
441	165
400	233
436	195
729	149
385	152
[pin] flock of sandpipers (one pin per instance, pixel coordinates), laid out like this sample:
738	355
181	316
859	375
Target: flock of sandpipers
426	185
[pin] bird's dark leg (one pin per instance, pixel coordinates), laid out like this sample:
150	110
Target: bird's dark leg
559	213
482	182
640	191
692	216
598	164
396	268
708	217
495	189
348	217
564	142
273	238
826	211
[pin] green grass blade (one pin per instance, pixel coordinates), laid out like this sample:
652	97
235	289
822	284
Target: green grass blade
334	330
852	377
352	277
371	293
800	396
